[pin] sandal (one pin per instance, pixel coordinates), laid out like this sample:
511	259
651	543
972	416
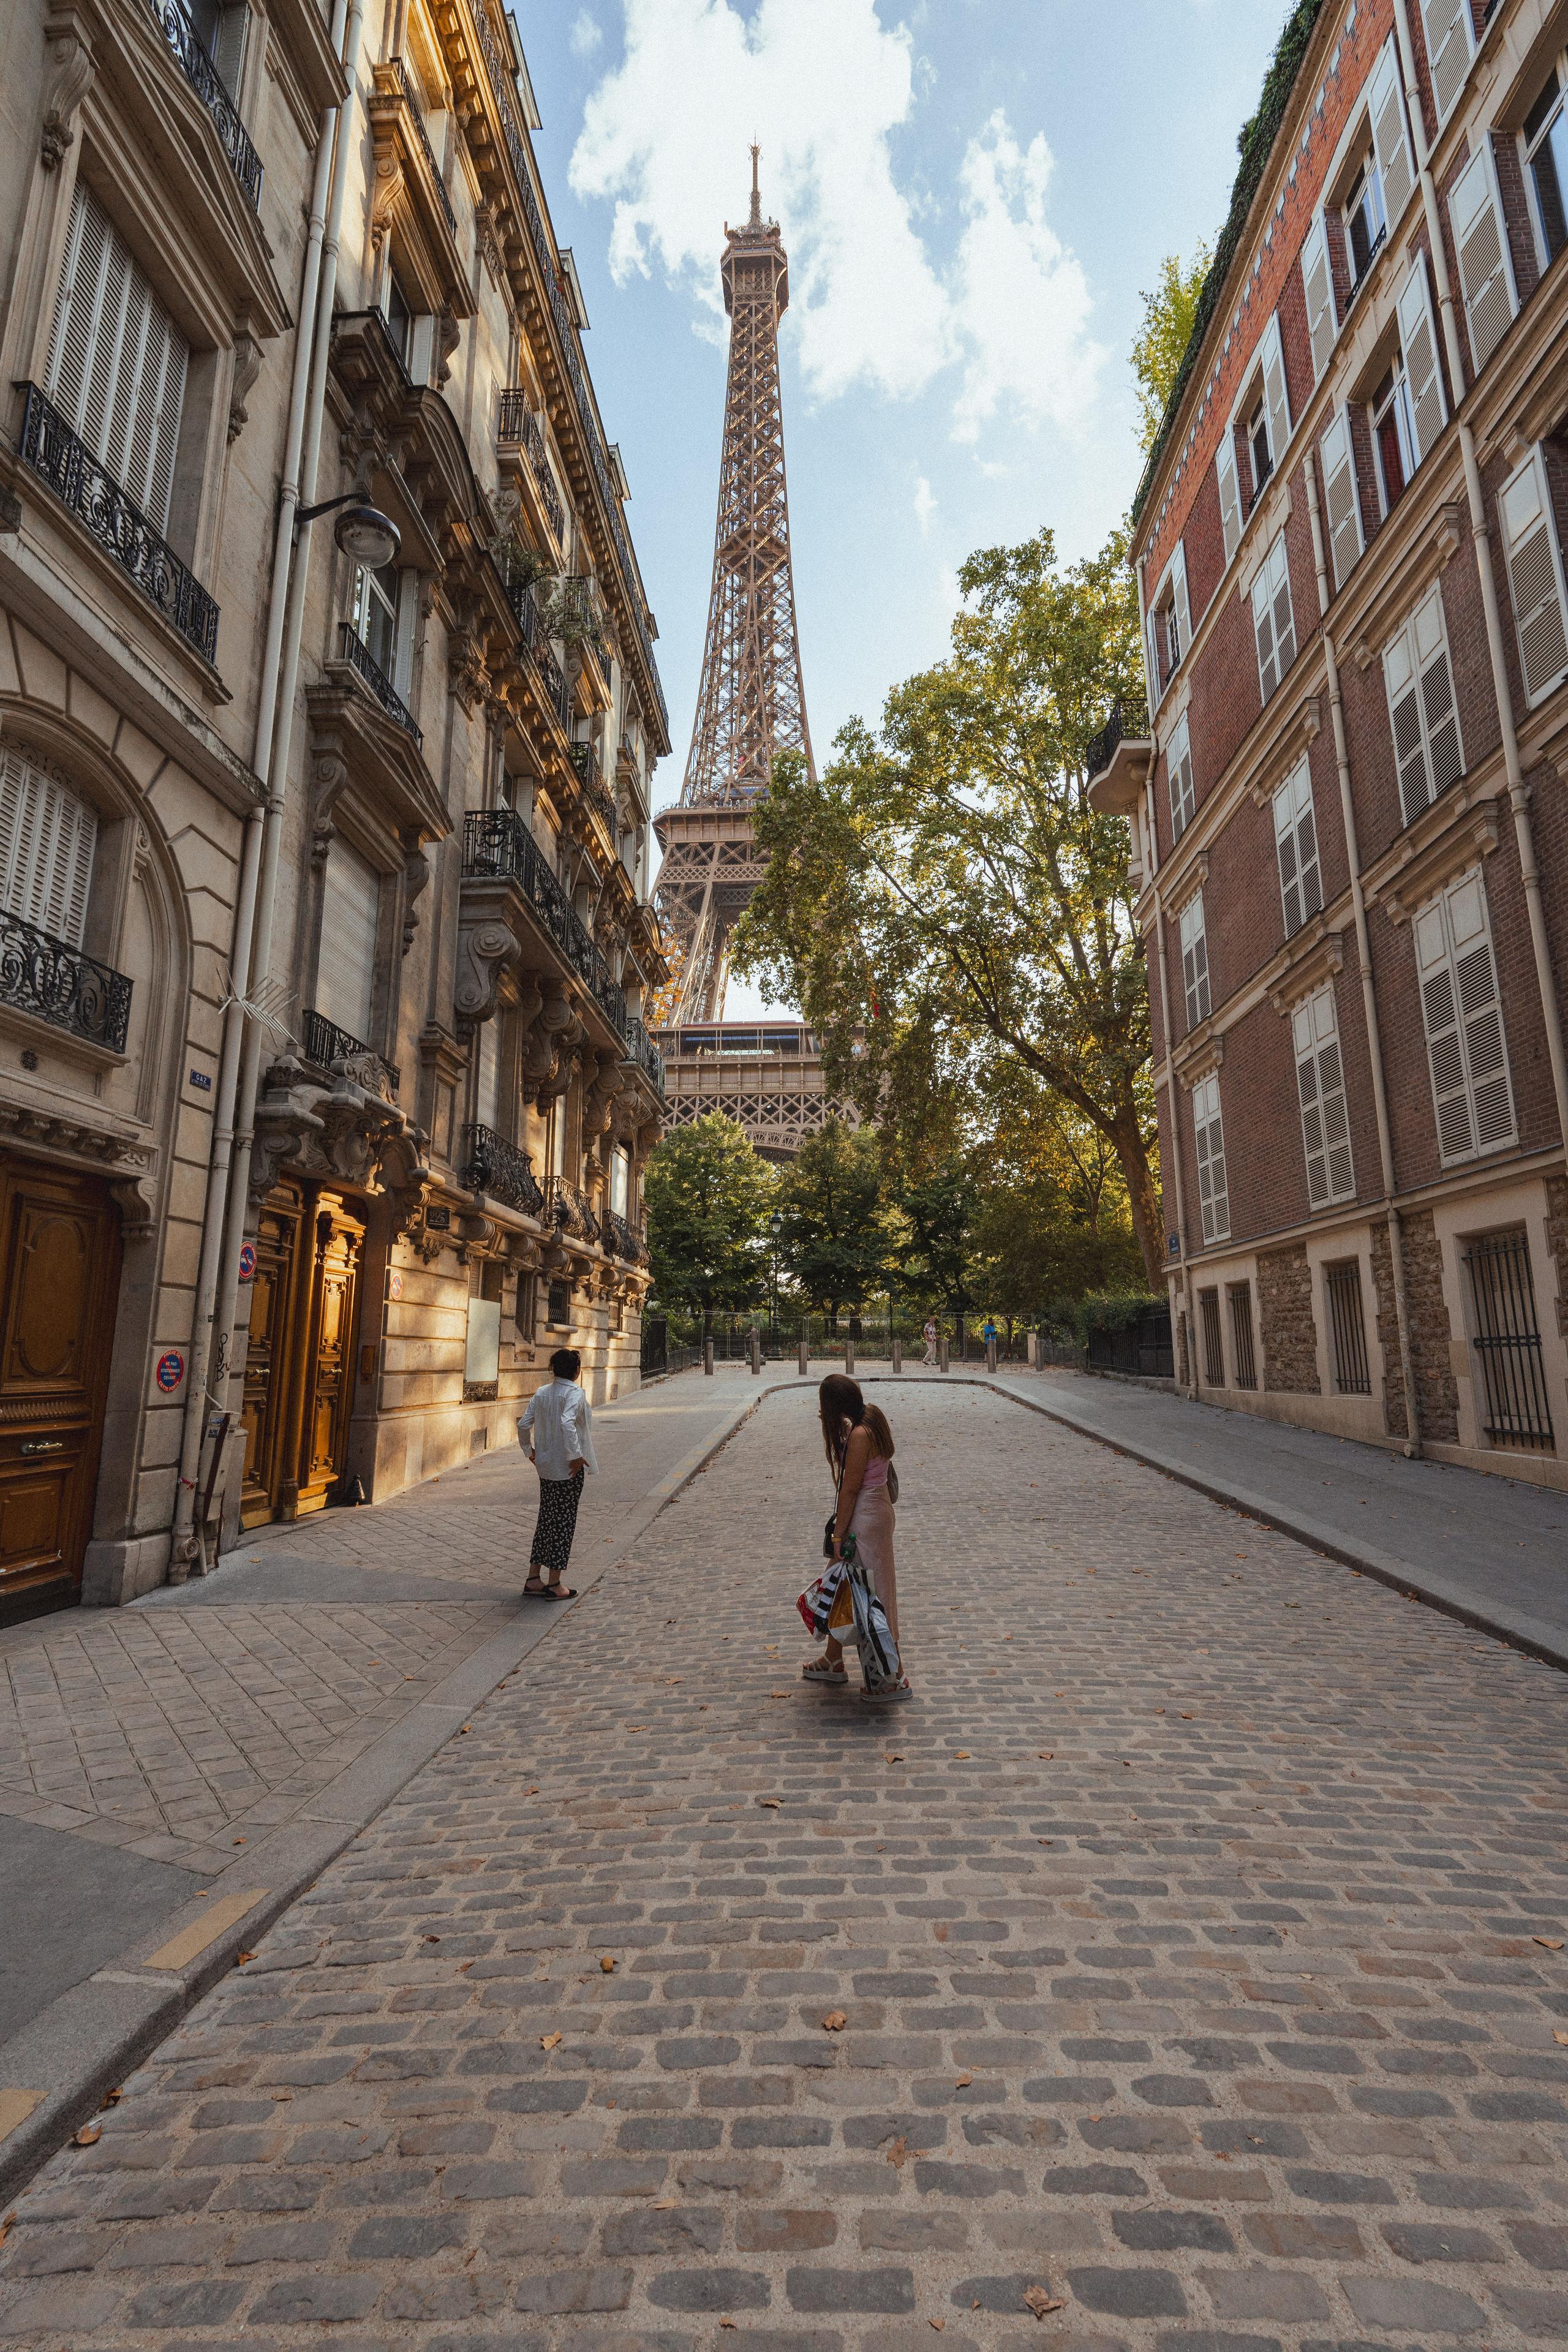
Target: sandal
822	1670
888	1693
534	1591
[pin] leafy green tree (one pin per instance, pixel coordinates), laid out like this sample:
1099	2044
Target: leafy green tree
944	905
1162	341
835	1240
709	1197
938	1210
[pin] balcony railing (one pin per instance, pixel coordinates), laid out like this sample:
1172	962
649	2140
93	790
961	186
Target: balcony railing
207	82
582	608
557	691
497	843
620	1238
1102	750
324	1042
596	792
43	975
411	101
501	1169
69	469
549	267
363	662
641	1049
519	422
572	1209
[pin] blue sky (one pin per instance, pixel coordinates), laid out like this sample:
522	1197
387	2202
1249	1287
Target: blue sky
973	194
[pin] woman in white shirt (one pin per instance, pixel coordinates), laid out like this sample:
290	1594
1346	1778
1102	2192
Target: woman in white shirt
557	1428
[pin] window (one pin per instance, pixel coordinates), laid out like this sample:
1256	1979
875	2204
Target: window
1170	623
1214	1342
1273	619
1208	1137
1229	493
1391	436
527	1307
1427	410
558	1312
48	836
1194	961
487	1089
1267	410
1546	157
1516	1400
1426	748
1390	143
1240	1294
620	1181
1535	577
1347	541
1365	222
1257	442
1296	846
1449	39
556	1148
1179	776
345	970
383	621
1318	284
117	362
1320	1090
1484	275
1347	1329
1472	1095
398	312
221	31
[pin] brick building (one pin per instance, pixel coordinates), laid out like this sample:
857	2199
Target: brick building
273	273
1350	823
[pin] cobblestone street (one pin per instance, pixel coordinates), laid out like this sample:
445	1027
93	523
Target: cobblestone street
1184	1967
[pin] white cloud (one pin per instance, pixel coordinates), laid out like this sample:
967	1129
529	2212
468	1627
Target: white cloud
586	35
1021	299
925	505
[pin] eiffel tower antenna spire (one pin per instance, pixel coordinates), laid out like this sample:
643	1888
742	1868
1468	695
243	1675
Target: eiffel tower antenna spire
756	219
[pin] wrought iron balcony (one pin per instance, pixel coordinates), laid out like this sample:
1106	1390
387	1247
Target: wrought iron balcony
207	82
582	608
69	469
324	1042
43	975
1102	750
497	843
572	1209
621	1239
411	101
519	422
596	792
363	662
641	1049
501	1169
557	691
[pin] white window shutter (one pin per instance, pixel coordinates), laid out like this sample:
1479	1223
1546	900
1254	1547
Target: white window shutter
1389	137
1405	717
1419	336
118	363
1296	846
48	836
1179	595
1447	24
1319	1081
1194	961
346	973
1274	394
1152	661
1346	539
402	643
1317	279
1439	717
1229	496
1440	1013
1276	571
1484	271
1179	777
487	1093
1481	1013
1535	578
1208	1137
1263	630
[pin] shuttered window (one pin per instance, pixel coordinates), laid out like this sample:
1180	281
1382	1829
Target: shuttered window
1320	1088
1273	619
1179	775
1347	541
1208	1137
1194	961
1229	493
1417	670
47	833
1418	339
1318	283
1276	398
1472	1095
1447	24
117	362
1535	578
620	1181
1484	272
1296	846
351	905
1389	138
487	1096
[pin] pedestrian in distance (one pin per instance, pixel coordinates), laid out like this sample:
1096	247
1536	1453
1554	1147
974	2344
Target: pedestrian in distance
930	1339
859	1448
988	1331
556	1428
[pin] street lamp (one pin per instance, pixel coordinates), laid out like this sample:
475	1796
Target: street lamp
362	531
775	1227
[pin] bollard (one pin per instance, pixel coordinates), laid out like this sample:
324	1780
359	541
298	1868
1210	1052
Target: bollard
707	1354
849	1357
898	1355
942	1347
756	1353
991	1355
803	1359
1033	1351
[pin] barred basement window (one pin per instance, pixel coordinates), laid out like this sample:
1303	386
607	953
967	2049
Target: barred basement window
1347	1329
1296	846
1535	578
1471	1094
1517	1408
1241	1335
1321	1087
1179	776
1194	960
1213	1344
1208	1139
1419	680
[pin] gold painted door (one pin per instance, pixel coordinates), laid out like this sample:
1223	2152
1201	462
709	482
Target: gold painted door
340	1244
265	1409
59	1277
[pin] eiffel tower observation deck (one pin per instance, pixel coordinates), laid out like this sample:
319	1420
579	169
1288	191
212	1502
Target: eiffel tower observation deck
751	705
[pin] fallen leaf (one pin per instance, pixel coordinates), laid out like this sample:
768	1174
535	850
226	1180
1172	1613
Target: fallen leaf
1045	1754
281	2098
727	2323
964	2081
1560	2037
531	1792
6	2225
432	1939
893	1757
464	1726
899	2153
780	1694
1552	1943
938	2324
1040	2300
770	1804
89	2133
549	2042
1189	1718
608	1965
242	1957
237	1841
662	2204
466	1966
111	2099
834	2021
963	1754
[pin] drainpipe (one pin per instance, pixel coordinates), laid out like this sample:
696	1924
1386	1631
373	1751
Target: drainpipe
201	1391
1518	793
278	735
1413	1445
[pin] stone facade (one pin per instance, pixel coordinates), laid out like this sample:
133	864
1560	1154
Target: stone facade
425	863
1290	1332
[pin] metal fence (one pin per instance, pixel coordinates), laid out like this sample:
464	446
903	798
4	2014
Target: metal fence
1142	1347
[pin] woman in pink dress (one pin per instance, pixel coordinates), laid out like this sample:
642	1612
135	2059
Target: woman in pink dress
859	1448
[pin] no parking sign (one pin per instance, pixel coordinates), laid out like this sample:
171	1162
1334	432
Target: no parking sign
170	1370
247	1262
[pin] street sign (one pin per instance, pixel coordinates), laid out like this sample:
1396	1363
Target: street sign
247	1262
171	1372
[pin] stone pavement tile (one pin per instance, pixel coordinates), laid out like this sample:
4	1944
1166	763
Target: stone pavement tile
1174	1953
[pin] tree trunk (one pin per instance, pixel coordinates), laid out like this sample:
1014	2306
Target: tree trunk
1133	1153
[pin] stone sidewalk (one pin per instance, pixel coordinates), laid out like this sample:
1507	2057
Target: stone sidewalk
1186	1963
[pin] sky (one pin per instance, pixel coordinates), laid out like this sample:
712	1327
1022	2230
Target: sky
974	195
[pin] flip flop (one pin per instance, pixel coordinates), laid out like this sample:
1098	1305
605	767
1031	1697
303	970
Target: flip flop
558	1592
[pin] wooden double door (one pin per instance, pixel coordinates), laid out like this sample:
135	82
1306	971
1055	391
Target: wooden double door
300	1362
59	1280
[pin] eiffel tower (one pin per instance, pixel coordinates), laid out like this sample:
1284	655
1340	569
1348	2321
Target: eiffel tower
751	705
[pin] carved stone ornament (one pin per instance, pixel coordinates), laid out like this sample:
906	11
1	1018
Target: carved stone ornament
416	881
246	368
347	1133
130	1168
548	1045
69	68
468	672
484	950
385	189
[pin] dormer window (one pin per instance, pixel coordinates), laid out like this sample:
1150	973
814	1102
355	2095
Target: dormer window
1365	220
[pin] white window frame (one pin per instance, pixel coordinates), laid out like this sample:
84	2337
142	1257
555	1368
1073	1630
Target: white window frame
1449	34
1269	582
1461	1008
1423	707
1208	1148
1296	850
1527	149
1341	497
1398	406
1169	609
370	588
1192	932
1481	241
1179	778
1524	509
1321	1096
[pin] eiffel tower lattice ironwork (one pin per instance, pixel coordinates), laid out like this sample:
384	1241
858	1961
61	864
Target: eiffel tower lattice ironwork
751	703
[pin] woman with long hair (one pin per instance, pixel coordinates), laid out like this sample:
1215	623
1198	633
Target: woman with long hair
859	1448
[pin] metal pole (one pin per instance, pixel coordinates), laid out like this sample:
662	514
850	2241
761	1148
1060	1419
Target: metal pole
708	1355
898	1355
802	1354
941	1353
